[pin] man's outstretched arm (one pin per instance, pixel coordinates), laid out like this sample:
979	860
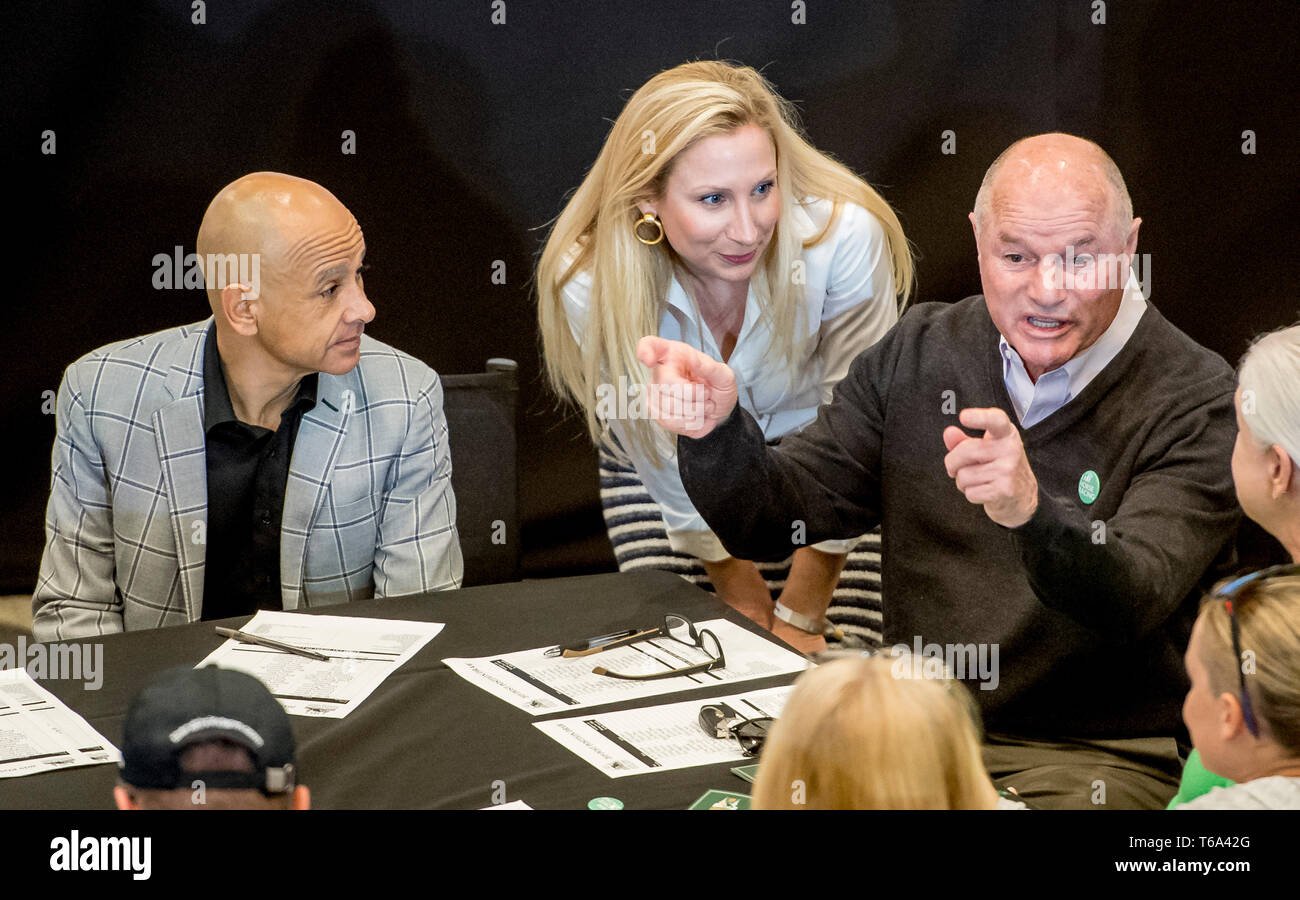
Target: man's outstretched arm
764	503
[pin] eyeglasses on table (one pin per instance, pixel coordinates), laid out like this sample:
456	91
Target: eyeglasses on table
680	629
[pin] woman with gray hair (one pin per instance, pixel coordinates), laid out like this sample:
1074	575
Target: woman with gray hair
1266	458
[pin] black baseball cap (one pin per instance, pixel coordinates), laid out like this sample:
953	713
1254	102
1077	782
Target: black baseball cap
184	706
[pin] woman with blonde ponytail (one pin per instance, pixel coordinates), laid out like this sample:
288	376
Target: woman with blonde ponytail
708	218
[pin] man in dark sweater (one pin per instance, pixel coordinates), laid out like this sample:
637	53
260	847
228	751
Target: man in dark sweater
1063	547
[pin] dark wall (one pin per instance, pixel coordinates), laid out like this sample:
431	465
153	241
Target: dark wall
469	136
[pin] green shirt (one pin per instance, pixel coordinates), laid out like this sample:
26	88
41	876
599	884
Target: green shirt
1197	781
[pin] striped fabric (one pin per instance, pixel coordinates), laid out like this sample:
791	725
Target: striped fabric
636	529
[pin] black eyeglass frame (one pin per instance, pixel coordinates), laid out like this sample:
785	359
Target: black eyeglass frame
716	661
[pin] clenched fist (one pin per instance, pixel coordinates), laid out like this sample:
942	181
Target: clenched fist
690	392
992	470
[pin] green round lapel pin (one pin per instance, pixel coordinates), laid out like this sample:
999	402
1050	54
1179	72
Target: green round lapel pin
1089	486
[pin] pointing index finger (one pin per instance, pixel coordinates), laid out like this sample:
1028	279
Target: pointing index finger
994	422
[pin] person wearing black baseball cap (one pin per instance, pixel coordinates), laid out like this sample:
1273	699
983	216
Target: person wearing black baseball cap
208	738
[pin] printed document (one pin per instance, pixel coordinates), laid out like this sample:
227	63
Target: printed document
540	684
38	733
659	738
362	653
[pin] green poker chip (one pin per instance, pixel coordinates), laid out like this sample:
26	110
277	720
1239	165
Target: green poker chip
604	803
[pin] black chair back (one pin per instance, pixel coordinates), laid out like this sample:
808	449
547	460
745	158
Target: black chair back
480	412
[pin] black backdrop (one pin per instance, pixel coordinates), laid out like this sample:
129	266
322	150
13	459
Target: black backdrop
469	136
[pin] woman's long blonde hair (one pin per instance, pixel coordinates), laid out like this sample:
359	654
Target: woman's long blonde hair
1268	625
874	734
629	281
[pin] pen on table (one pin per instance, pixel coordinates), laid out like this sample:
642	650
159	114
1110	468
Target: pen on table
247	638
590	644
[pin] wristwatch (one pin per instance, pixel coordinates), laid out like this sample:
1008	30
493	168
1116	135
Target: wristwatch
819	626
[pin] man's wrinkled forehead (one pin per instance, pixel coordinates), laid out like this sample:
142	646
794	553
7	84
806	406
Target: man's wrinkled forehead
318	246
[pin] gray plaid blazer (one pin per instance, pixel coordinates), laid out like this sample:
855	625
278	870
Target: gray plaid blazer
368	508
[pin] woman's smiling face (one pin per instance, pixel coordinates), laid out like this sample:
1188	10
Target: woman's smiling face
720	204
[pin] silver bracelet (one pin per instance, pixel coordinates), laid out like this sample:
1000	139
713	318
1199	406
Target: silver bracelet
819	626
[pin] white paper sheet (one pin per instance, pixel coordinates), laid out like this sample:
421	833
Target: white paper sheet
362	652
659	738
540	684
38	733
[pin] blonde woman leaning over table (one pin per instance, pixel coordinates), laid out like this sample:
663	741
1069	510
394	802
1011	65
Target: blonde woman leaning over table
708	218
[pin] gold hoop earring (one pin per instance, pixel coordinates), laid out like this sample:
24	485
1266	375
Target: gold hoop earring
648	219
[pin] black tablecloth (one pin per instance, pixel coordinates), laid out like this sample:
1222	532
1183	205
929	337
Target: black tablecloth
427	738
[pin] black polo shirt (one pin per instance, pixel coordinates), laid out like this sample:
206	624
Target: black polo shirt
248	468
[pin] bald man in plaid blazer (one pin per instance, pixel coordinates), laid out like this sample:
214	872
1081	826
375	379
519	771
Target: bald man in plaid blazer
368	508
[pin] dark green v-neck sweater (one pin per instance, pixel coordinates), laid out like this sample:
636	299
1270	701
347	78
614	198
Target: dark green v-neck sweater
1090	603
